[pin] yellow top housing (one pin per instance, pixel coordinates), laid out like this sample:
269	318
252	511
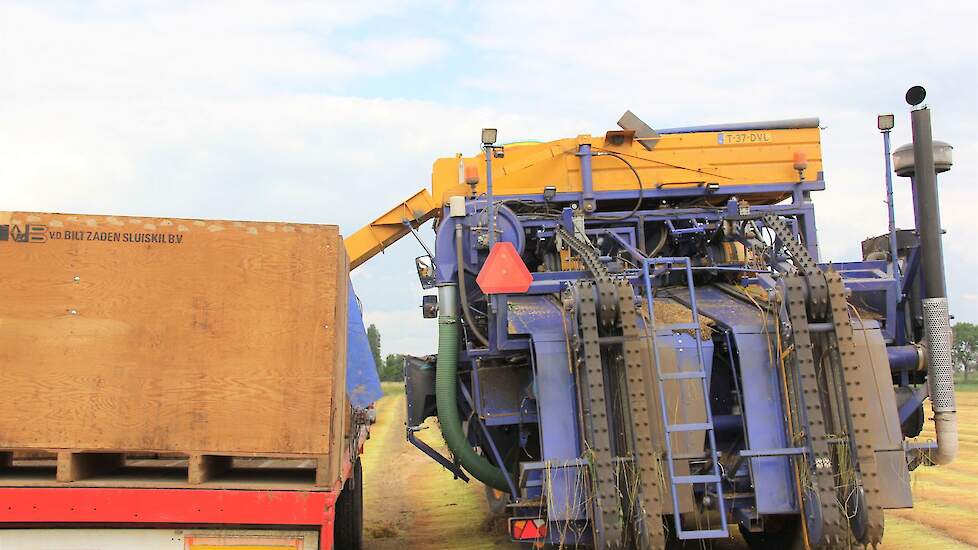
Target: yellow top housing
732	158
690	159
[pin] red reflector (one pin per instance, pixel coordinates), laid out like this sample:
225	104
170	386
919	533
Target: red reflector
504	271
528	529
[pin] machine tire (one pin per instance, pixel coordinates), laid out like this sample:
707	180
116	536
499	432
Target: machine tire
348	517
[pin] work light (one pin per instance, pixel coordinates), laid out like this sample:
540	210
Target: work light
488	136
884	122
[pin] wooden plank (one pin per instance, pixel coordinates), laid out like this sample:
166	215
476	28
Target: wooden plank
73	466
34	455
203	468
193	470
326	475
340	407
153	334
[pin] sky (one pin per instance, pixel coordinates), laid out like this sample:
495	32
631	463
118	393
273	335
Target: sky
324	112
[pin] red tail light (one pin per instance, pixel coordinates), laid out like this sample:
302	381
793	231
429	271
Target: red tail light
527	529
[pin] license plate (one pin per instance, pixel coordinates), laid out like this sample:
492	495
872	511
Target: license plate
741	138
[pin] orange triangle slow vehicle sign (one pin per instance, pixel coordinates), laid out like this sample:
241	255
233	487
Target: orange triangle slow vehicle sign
504	271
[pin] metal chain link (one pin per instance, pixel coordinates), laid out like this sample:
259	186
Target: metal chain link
621	311
858	396
606	502
642	405
820	463
826	300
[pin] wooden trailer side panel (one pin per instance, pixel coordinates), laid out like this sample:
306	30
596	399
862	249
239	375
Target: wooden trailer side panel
170	335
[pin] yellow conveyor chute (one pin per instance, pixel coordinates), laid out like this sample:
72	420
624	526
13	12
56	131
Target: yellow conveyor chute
391	226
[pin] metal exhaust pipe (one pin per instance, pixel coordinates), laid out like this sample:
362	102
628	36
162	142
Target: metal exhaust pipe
937	323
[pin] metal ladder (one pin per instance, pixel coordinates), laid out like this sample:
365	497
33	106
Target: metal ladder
682	376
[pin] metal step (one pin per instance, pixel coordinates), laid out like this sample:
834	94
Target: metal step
699	426
774	452
714	479
675	327
703	534
688	480
692	456
683	375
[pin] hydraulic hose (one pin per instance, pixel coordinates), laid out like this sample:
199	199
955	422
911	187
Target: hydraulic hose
638	180
466	313
446	378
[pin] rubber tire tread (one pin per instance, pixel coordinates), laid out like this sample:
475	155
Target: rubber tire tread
348	517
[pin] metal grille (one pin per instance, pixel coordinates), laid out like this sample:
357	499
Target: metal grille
937	329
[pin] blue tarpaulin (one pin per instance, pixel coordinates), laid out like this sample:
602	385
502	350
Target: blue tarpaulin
362	382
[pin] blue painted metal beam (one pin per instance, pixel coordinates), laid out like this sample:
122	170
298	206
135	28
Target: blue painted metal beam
543	319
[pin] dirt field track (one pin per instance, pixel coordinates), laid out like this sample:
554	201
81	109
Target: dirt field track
411	503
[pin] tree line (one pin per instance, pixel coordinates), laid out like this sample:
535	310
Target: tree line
390	368
965	352
965	349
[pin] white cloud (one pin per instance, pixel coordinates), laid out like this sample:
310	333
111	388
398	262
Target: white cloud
196	49
687	63
404	331
243	110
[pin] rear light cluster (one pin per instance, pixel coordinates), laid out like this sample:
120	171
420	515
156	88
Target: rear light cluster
527	528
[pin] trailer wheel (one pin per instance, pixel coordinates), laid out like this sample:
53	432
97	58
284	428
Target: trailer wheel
348	519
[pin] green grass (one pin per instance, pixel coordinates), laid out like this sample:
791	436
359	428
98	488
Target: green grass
971	386
392	388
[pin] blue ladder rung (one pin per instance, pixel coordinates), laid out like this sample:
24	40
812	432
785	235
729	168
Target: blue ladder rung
703	534
682	326
670	428
686	480
683	375
663	265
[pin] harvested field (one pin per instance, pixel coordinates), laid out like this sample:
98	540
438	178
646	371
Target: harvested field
412	503
945	512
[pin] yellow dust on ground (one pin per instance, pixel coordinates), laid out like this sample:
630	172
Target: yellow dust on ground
945	512
410	502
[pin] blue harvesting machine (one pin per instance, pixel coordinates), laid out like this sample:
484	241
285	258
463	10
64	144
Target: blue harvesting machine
640	344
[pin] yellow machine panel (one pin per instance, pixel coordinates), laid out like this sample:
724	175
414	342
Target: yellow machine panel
729	158
690	159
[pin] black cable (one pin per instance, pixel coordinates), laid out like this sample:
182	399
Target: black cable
641	189
462	291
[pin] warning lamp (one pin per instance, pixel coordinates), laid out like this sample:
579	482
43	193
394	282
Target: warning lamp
801	163
471	174
523	529
504	271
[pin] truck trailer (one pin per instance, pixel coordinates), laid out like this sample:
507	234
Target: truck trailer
179	384
641	345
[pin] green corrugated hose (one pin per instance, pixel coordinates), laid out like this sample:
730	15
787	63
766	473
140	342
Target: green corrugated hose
451	424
